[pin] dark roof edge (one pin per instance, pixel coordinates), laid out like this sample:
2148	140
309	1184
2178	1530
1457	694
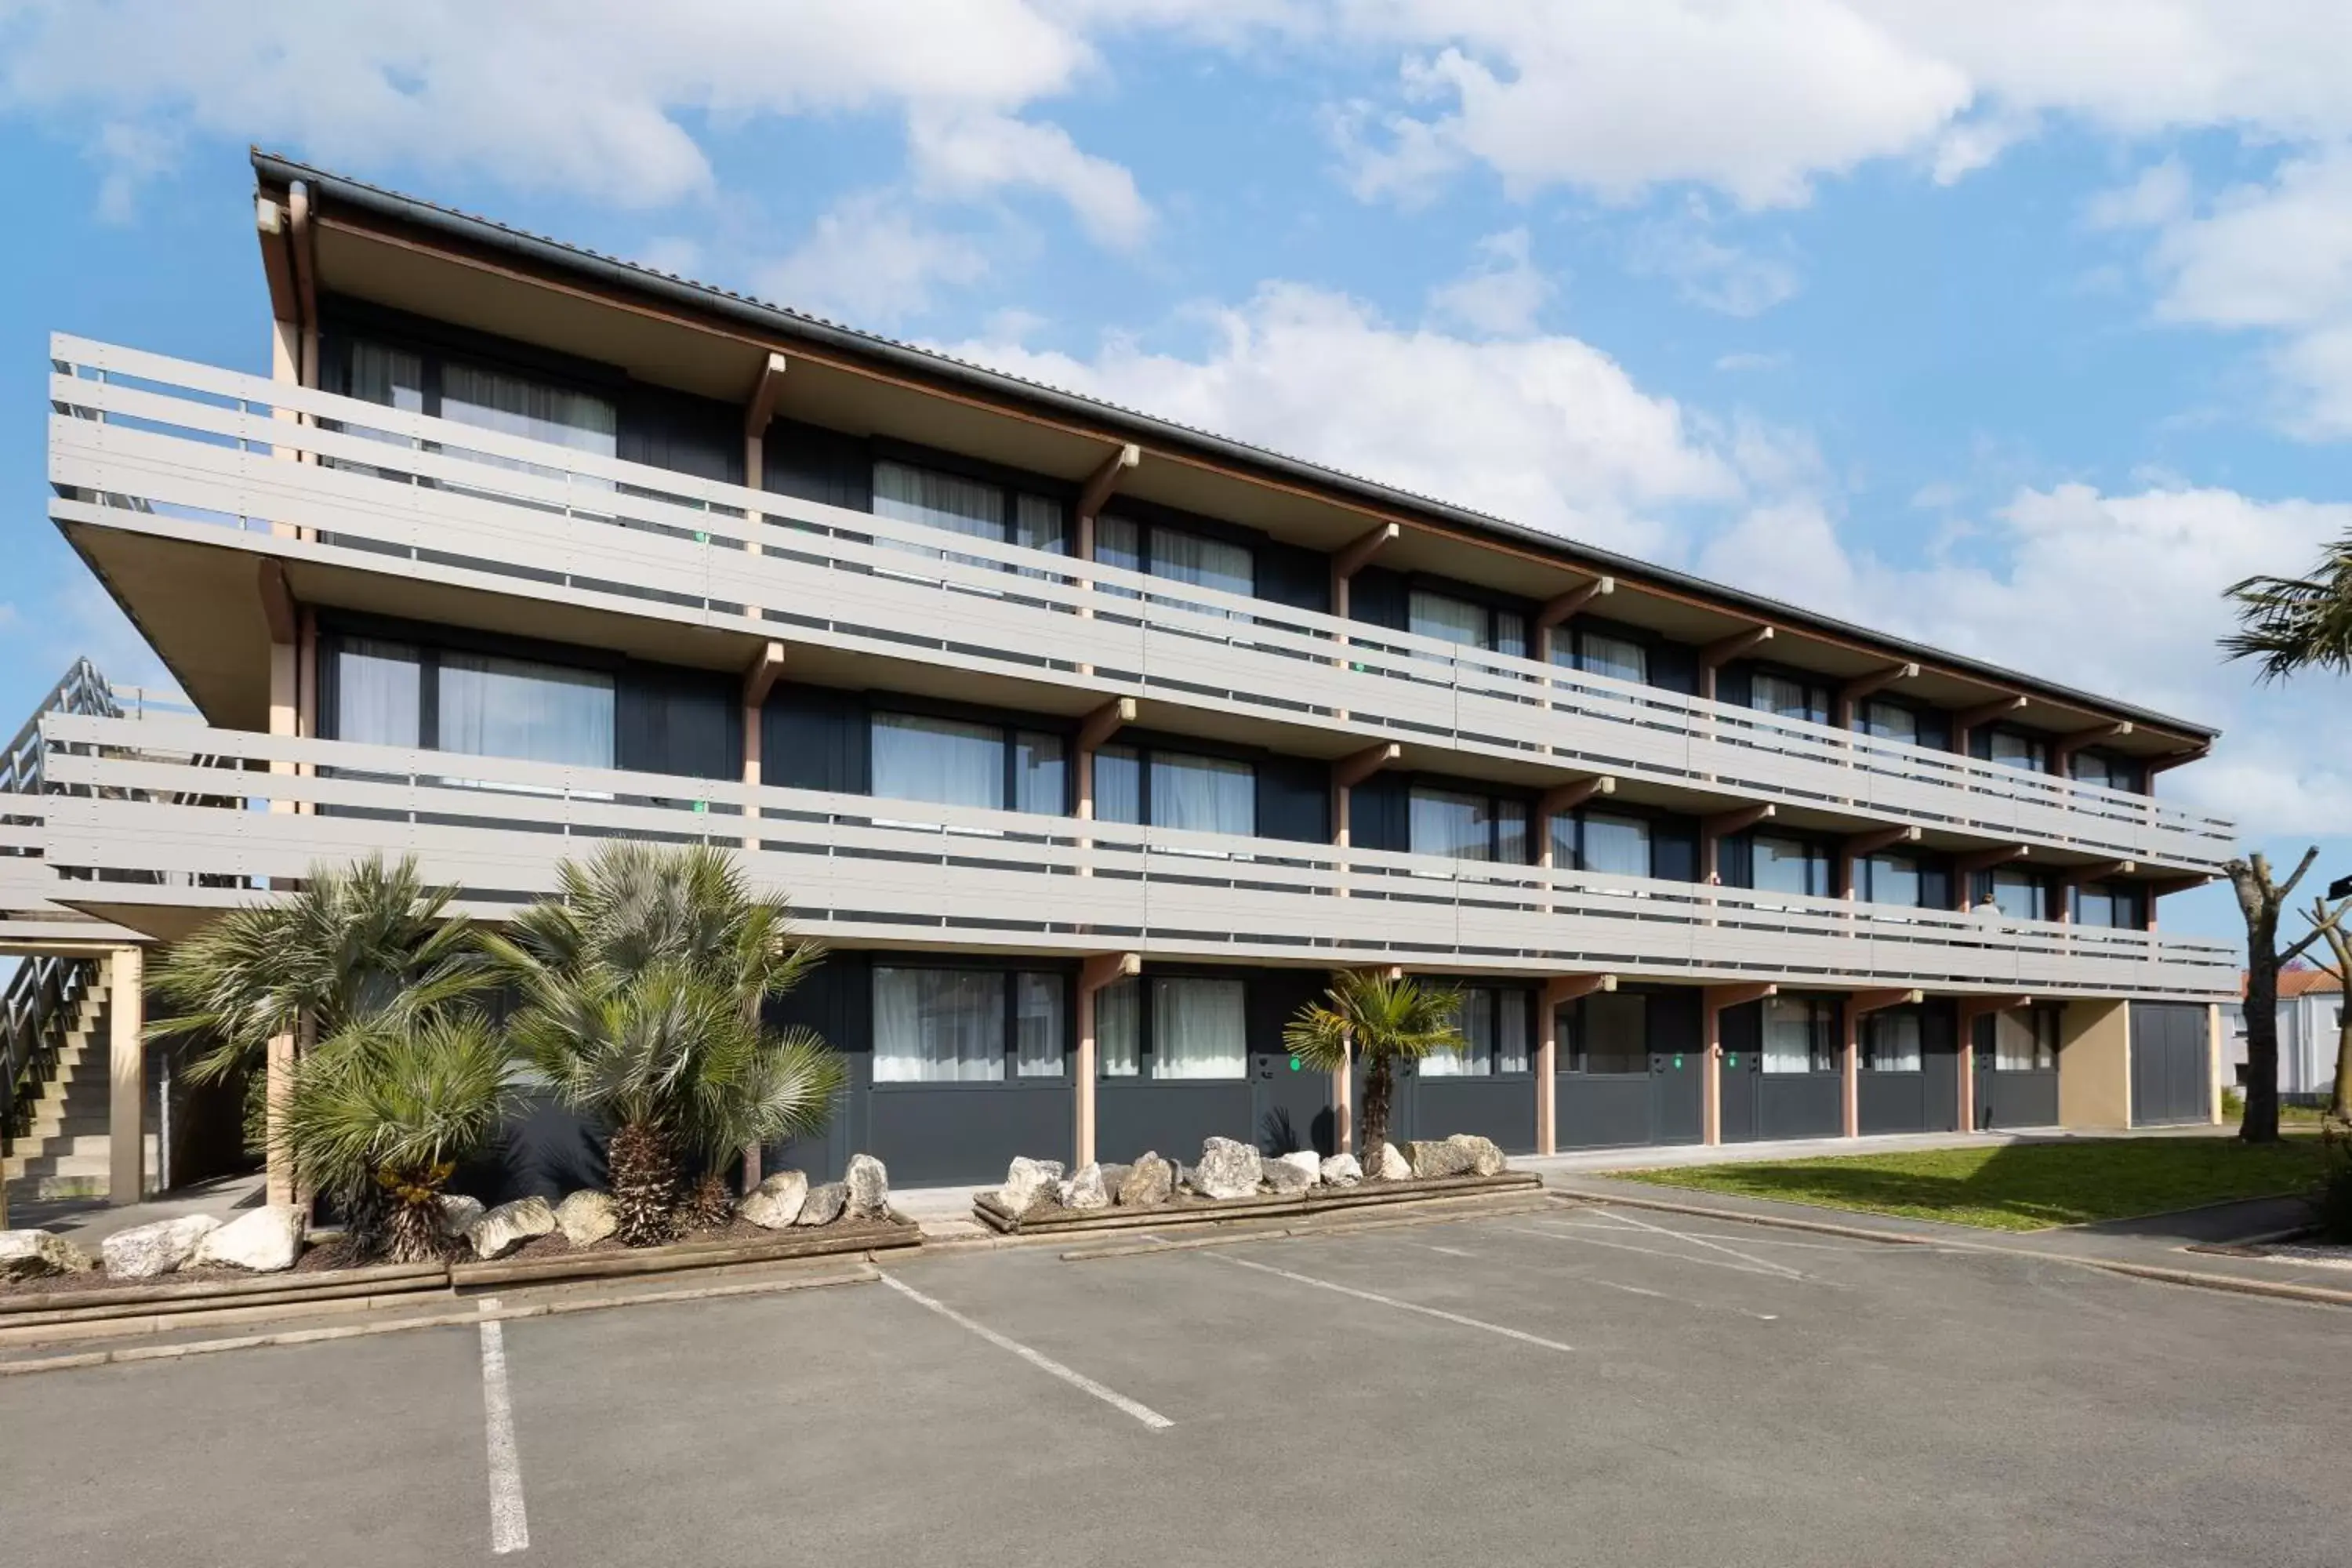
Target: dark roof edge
1142	428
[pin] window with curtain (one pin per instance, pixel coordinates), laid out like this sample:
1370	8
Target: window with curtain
1494	1023
1181	556
1796	1037
1888	722
1464	826
1617	845
1620	659
2017	894
1608	1032
1203	794
1118	785
1892	879
1039	774
1446	618
379	693
491	707
1788	866
946	762
1039	523
2108	772
906	493
2014	748
1198	1029
514	404
1119	1029
2096	904
2025	1039
938	1026
1788	697
1037	1013
1890	1041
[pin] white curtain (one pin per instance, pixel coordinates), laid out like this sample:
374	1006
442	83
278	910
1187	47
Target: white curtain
1788	698
938	1026
378	691
1038	524
1206	562
1477	1057
1894	879
1197	1029
1037	774
1511	1044
2017	895
1890	1041
1617	845
1617	658
514	405
1119	1029
1511	633
1446	618
908	494
1203	794
1119	785
1796	1037
1037	1025
2012	749
944	760
2022	1041
1786	865
541	712
1442	822
1890	721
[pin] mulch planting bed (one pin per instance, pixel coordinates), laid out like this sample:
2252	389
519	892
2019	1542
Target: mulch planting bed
551	1256
1188	1210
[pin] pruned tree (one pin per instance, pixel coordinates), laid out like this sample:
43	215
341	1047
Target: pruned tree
2327	924
2261	900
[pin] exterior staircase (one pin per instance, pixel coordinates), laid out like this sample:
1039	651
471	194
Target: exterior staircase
62	1151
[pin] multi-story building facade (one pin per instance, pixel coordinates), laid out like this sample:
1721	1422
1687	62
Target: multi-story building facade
1090	743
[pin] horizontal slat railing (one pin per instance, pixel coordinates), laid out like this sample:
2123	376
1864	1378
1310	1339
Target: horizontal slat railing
142	441
910	873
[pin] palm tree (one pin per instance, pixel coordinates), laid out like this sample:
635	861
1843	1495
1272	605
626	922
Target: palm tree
1385	1018
395	1111
2295	622
363	953
644	986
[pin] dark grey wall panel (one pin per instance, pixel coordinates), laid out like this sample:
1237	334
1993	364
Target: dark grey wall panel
1133	1115
2006	1100
1742	1034
1503	1109
686	722
816	464
1892	1102
1603	1112
1289	1110
1294	575
1294	799
1674	849
1378	813
952	1134
1379	597
678	431
815	737
1800	1105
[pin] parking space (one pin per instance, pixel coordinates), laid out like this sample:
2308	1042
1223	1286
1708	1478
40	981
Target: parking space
1585	1382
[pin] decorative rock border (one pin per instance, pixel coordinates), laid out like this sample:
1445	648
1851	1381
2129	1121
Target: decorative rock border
893	1234
1186	1210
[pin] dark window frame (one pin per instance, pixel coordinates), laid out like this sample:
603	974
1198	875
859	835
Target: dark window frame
1011	967
1008	733
1575	1054
1147	1056
1147	749
1496	797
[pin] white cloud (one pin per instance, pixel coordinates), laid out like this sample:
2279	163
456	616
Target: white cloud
2161	559
1503	291
2160	195
1733	363
968	155
870	261
1545	431
1706	270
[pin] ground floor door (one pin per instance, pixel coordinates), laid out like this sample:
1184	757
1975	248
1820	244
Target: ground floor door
1908	1077
1667	1103
2017	1069
2170	1079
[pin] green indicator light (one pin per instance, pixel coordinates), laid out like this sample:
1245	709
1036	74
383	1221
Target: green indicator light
701	807
1294	1064
1732	1062
1678	1064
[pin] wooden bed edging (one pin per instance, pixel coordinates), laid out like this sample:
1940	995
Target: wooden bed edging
1204	1211
100	1301
683	1257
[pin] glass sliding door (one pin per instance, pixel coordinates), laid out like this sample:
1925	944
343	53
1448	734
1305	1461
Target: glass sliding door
493	707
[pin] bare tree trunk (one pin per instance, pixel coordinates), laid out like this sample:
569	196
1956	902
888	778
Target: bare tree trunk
2259	900
2339	1102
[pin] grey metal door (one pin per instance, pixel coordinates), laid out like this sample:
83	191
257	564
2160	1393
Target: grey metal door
1290	1105
1678	1097
2169	1083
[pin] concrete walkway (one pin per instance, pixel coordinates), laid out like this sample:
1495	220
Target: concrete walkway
90	1221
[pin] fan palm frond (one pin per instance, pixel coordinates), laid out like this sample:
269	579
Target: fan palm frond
2290	624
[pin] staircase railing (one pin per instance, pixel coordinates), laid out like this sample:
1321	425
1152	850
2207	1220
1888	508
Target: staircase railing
44	993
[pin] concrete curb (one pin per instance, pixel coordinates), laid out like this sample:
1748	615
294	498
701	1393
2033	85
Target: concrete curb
2277	1289
487	1312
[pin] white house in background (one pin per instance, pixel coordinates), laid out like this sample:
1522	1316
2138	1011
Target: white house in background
2310	1012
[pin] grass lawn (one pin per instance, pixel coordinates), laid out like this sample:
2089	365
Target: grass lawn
2022	1186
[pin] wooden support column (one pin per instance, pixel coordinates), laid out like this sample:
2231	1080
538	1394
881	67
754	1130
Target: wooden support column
1850	1071
1964	721
284	622
1856	847
1100	970
1966	867
1713	830
2064	747
1093	496
1713	1000
2059	903
1346	773
760	678
1352	558
1095	730
1560	609
1851	694
759	413
1558	991
1558	801
1972	1009
126	1086
1723	650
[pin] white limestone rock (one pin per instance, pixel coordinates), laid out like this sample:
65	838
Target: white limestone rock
824	1204
1485	1158
1030	1184
777	1201
1433	1158
266	1240
509	1225
146	1251
586	1217
1341	1171
868	1184
36	1255
1228	1170
1309	1164
1085	1190
1390	1167
1115	1177
458	1212
1284	1179
1149	1182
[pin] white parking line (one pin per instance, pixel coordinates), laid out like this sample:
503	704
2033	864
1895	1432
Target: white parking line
1112	1397
1451	1251
1569	1234
1641	1224
1523	1338
509	1527
1682	1301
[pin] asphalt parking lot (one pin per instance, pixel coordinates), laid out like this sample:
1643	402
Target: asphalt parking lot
1587	1385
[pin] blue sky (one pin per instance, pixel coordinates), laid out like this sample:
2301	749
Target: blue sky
2019	329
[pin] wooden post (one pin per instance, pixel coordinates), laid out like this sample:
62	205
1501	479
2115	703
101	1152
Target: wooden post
126	1143
1100	970
1713	1000
1856	1006
1558	989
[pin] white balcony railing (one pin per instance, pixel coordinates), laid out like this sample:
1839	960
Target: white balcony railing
139	442
155	817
